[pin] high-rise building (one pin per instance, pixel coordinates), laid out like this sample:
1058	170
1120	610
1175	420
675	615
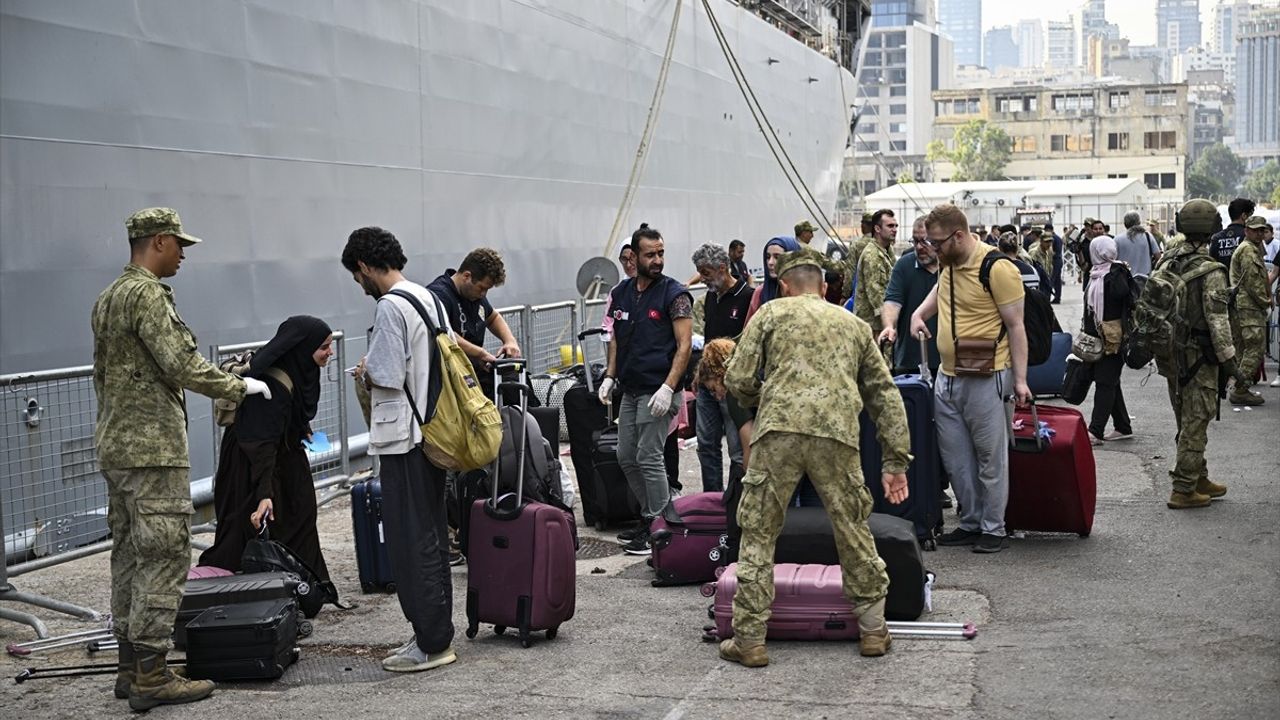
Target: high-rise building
962	21
1030	36
999	49
1060	44
1257	87
1093	24
1177	24
902	65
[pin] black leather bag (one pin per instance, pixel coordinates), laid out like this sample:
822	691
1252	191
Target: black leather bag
262	554
1075	385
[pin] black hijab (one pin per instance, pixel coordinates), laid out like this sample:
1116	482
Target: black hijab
292	350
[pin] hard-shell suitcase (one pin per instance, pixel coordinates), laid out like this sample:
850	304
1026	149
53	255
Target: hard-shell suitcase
371	546
520	566
924	474
808	604
248	641
615	503
1053	484
1046	379
691	550
807	538
203	593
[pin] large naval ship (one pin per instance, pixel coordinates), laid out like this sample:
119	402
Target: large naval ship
276	127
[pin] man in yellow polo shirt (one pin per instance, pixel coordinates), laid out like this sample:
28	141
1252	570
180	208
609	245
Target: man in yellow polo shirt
983	347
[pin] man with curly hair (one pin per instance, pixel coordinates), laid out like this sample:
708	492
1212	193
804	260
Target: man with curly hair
464	293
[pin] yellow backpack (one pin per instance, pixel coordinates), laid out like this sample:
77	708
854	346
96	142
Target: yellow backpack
462	429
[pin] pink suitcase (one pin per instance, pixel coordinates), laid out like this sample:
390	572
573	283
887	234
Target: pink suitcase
1053	484
690	551
206	571
520	564
808	603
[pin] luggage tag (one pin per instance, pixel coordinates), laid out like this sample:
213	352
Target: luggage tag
318	442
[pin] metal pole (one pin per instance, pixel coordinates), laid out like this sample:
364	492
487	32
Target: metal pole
341	339
84	613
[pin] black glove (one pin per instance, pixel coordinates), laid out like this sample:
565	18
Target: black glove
1234	371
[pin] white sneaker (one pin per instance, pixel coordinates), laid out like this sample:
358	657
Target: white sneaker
414	660
412	642
1276	382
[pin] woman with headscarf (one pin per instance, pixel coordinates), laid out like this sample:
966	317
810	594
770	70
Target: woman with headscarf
263	471
770	288
1108	302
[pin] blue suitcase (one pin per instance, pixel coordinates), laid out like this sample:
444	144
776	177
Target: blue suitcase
371	546
1046	379
924	475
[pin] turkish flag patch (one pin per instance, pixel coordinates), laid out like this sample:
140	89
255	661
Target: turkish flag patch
654	314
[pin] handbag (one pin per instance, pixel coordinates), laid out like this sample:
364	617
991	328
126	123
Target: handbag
262	554
973	356
1076	382
1087	347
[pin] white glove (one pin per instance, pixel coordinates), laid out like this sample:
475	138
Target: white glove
254	386
660	403
605	391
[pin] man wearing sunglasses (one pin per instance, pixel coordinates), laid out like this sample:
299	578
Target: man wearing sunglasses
983	346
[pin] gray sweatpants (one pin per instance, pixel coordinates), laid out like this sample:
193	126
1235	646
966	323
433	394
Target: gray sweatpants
641	438
973	434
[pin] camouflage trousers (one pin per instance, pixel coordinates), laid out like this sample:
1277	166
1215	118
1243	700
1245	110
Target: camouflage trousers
1251	344
777	461
1194	405
150	518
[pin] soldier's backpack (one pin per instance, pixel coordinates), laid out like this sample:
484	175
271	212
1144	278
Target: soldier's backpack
1038	317
224	411
1160	326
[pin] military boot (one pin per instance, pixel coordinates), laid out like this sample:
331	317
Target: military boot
155	684
873	631
1245	398
1207	487
752	656
124	669
1184	500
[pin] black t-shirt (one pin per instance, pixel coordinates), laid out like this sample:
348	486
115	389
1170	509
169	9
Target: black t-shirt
726	315
468	318
738	269
1223	244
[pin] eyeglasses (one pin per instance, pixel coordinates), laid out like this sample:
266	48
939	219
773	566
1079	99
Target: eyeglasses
943	241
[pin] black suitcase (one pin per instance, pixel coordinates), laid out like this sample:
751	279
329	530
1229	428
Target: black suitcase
614	502
371	547
924	475
201	594
807	539
246	641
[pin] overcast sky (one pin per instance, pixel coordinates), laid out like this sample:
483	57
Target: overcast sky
1136	18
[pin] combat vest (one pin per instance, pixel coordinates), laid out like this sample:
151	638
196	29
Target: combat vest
1168	320
644	332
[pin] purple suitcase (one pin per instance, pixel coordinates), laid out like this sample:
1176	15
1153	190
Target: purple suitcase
808	604
689	552
520	567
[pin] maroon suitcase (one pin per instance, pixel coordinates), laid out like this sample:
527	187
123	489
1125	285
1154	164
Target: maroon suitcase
690	551
1053	485
808	604
520	566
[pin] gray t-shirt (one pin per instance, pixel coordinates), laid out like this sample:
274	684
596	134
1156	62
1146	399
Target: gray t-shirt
1136	250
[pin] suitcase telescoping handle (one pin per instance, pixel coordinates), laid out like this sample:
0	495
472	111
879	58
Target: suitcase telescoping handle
520	442
924	359
585	362
1033	444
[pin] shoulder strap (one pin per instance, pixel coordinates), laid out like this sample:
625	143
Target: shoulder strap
984	270
282	376
434	378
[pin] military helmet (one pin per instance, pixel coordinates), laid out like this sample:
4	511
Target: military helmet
1198	217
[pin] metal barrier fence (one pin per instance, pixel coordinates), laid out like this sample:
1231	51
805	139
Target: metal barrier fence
331	413
551	327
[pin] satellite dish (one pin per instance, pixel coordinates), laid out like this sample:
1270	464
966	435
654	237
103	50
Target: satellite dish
596	277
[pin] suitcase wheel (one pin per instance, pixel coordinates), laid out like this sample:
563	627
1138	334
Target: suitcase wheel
471	632
600	525
1084	534
391	587
929	544
711	611
305	628
499	629
552	632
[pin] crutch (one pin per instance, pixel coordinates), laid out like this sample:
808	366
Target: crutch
73	671
34	646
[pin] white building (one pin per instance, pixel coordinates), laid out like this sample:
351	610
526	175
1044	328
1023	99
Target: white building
1030	38
1060	44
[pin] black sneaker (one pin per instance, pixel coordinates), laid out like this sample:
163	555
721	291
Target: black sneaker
944	501
959	536
639	545
989	544
627	536
455	557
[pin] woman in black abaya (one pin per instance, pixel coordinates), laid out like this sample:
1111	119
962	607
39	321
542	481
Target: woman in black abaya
262	467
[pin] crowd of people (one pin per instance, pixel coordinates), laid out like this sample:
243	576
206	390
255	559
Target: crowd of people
768	388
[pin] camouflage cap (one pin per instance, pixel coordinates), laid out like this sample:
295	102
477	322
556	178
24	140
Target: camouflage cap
805	226
1089	222
158	221
796	258
1256	222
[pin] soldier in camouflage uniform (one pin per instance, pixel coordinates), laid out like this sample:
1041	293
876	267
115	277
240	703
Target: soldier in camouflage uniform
1253	303
874	268
855	254
794	340
1042	253
1195	397
144	356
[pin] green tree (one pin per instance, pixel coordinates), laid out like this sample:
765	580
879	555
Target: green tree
1263	182
1217	161
980	151
1200	185
1275	197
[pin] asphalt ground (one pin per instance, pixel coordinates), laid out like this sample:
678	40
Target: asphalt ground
1158	614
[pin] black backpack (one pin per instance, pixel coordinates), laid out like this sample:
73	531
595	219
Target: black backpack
1037	314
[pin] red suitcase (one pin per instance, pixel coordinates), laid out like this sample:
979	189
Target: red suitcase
520	566
1053	485
690	551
